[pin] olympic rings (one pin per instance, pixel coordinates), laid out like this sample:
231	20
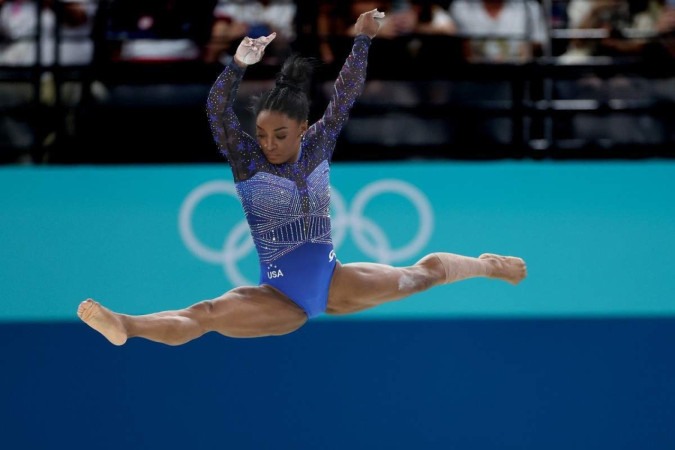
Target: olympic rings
368	236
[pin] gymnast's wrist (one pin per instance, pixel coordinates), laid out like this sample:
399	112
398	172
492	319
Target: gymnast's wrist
238	62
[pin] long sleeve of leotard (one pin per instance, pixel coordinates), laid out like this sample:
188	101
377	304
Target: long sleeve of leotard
233	143
346	89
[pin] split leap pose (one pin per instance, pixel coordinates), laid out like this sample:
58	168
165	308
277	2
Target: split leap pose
282	179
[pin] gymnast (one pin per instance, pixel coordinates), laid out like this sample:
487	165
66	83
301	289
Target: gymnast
282	179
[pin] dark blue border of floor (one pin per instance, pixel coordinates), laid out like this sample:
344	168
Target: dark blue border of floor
447	384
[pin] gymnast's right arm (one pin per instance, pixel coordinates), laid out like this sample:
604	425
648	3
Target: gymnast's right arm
234	143
223	121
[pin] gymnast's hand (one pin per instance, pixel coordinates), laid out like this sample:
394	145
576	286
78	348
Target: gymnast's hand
250	51
368	24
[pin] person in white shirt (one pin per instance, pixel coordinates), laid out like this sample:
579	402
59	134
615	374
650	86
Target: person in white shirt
18	26
500	30
495	32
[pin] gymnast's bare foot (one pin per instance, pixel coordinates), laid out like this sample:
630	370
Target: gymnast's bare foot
507	268
102	320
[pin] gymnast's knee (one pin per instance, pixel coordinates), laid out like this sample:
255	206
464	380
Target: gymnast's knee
433	269
203	308
201	312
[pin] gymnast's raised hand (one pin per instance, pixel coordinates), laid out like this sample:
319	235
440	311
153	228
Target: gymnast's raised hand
368	23
250	51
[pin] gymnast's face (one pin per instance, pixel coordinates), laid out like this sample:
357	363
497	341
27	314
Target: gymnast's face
279	136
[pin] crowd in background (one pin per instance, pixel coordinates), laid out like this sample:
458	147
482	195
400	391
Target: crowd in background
419	39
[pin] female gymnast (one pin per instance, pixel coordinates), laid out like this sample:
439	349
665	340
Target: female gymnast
282	179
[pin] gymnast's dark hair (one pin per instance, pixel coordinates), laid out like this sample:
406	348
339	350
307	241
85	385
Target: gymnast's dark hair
290	94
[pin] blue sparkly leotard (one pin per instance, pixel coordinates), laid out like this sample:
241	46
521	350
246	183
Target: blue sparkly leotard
287	206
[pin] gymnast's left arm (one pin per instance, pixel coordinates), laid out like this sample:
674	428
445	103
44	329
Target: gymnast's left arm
352	77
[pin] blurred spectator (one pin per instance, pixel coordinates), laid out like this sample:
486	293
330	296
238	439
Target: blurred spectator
500	30
434	18
22	127
234	19
436	35
156	30
660	17
609	16
150	79
631	30
400	37
495	32
18	29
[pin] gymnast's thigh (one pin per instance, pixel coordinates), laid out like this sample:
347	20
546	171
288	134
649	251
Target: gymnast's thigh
252	311
358	286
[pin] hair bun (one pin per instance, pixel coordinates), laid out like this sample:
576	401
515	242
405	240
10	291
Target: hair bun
288	84
286	80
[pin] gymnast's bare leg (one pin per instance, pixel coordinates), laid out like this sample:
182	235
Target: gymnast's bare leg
360	286
242	312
